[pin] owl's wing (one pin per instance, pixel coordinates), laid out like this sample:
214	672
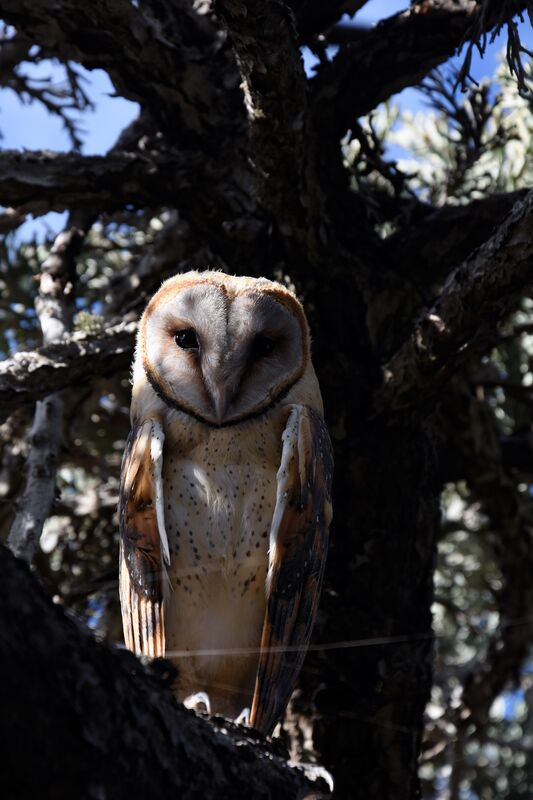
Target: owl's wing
143	540
298	547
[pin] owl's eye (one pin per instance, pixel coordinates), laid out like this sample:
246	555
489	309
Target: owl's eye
187	339
262	347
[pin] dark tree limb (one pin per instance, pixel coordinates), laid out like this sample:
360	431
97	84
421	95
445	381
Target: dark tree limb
118	37
474	299
314	16
346	34
117	731
41	181
169	59
81	357
397	53
439	238
280	140
516	457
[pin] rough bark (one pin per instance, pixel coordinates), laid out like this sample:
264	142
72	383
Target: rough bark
438	239
474	299
41	181
98	724
281	143
79	358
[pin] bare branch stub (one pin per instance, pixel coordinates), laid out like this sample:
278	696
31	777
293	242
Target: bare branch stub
474	299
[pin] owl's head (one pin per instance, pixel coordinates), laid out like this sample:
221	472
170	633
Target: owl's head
223	348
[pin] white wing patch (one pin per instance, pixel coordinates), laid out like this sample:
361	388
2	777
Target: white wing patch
156	452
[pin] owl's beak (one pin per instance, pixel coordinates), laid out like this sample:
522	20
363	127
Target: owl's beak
221	399
221	389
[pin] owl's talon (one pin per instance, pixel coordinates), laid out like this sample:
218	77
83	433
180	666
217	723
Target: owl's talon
197	699
243	718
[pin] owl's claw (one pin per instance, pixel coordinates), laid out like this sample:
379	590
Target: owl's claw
243	718
197	699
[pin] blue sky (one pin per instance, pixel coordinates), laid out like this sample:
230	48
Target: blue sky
31	127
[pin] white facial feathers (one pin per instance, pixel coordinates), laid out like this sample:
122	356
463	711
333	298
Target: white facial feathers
223	348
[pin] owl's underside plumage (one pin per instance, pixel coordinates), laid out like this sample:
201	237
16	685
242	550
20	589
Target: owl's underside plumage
225	493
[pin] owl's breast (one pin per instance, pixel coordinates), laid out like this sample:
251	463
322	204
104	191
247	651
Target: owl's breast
220	494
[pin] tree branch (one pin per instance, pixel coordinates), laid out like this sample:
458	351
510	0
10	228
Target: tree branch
474	299
120	38
314	16
170	59
42	181
78	359
95	720
58	98
281	145
397	53
55	307
457	231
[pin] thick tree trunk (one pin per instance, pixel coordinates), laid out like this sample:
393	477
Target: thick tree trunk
79	720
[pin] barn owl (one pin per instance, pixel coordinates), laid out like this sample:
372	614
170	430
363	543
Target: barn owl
225	492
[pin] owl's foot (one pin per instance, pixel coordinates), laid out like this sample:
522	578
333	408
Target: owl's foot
243	718
198	699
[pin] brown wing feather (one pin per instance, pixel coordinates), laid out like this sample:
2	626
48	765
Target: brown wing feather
141	567
299	540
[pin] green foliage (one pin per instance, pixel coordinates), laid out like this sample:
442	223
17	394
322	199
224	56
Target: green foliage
467	146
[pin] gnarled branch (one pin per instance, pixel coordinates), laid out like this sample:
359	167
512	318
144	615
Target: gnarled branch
41	181
474	299
440	238
125	41
397	53
117	731
77	359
